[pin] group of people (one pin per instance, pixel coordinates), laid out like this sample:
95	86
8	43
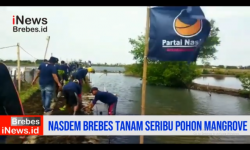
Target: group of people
51	76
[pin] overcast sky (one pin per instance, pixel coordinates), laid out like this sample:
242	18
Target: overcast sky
101	34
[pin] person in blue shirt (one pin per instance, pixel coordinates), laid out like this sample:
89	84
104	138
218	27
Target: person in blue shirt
65	69
57	89
47	77
105	97
72	94
72	67
80	75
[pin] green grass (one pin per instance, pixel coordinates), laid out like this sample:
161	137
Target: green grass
27	91
129	73
86	87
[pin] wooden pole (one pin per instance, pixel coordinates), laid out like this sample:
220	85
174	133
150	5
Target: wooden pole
47	47
89	78
18	68
145	66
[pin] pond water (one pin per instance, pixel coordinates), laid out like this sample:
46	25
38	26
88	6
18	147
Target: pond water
169	101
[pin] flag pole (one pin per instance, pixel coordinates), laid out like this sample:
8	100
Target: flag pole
48	38
145	66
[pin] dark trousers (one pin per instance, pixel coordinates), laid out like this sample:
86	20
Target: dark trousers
71	98
3	139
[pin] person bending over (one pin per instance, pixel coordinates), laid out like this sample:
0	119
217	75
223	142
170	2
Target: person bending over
72	94
105	97
80	75
47	77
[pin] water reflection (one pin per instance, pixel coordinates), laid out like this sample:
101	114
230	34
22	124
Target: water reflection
217	78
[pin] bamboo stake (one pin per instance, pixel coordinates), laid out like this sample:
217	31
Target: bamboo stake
145	66
89	78
18	68
47	47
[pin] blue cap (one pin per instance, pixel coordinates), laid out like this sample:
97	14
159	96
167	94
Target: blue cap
53	59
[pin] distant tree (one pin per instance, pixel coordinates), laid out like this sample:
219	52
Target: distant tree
209	48
221	66
207	64
39	61
231	67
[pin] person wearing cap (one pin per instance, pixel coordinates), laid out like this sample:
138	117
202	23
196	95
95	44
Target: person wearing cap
72	94
47	77
105	97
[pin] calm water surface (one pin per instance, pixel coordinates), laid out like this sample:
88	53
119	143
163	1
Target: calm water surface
166	101
229	82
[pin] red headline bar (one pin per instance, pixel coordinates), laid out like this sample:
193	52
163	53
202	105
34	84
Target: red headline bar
21	125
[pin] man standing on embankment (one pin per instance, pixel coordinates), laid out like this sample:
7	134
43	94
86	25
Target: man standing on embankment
10	103
47	74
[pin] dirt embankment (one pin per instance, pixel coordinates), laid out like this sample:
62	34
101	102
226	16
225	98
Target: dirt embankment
61	139
32	106
216	89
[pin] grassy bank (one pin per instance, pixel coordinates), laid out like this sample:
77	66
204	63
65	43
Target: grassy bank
31	101
132	74
27	91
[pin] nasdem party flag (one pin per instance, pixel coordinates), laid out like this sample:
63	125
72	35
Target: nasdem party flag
177	33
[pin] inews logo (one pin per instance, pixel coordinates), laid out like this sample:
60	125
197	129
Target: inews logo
23	24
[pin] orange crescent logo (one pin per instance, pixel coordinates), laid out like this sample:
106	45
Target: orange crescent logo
186	30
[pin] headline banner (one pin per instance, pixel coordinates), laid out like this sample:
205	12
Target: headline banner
147	125
126	125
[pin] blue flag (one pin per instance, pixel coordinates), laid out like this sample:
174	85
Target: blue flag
177	33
